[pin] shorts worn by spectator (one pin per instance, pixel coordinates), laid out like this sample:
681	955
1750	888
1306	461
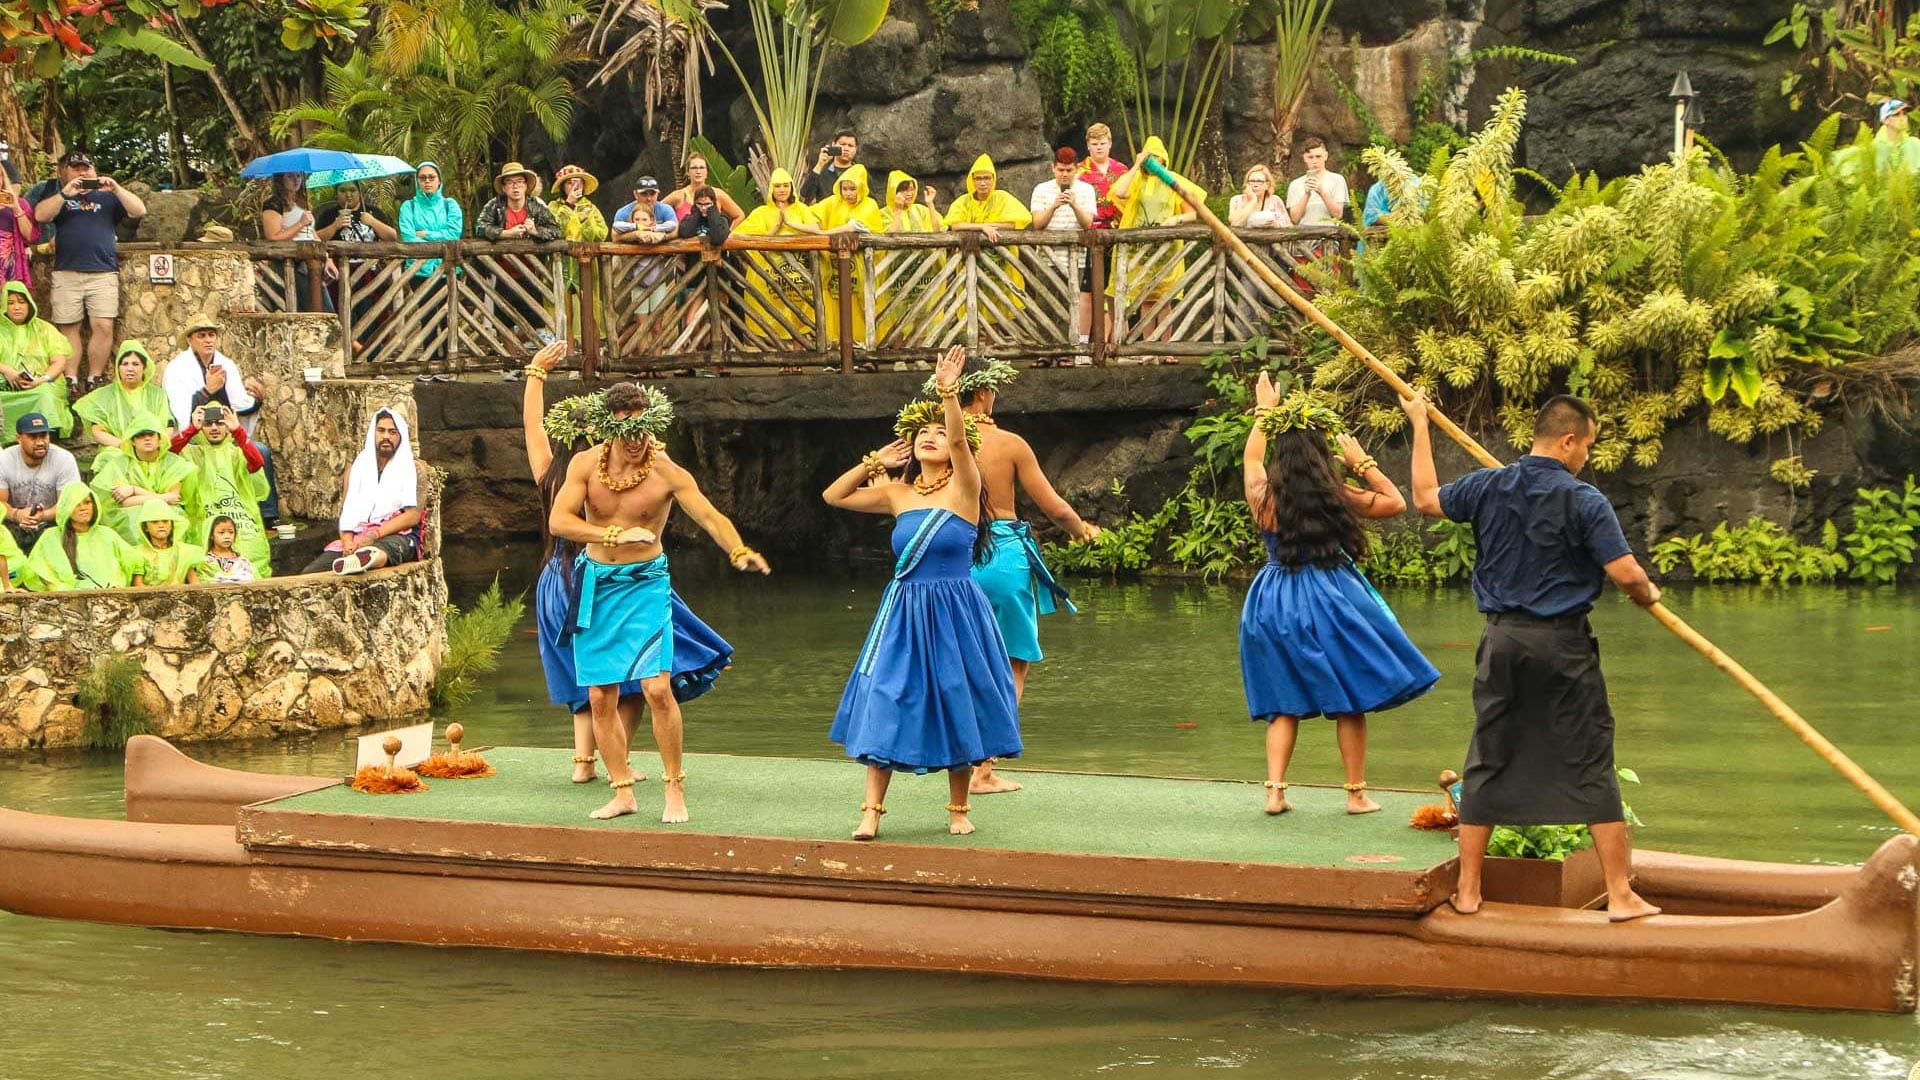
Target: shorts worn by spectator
33	472
85	209
380	504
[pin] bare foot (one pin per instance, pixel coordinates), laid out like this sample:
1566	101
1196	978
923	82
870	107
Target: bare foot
1359	803
959	824
987	782
675	810
1277	799
1465	905
1634	908
869	825
583	772
621	804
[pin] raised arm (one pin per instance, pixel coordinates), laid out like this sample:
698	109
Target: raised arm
1253	459
1426	479
686	492
1380	498
533	410
851	490
966	468
1033	480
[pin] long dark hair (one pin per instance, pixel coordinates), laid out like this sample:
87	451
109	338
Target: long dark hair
281	200
68	538
1311	521
550	483
983	529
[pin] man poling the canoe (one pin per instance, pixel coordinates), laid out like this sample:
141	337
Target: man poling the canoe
1542	750
1785	713
616	501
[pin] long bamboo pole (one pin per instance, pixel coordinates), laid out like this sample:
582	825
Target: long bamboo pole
1798	724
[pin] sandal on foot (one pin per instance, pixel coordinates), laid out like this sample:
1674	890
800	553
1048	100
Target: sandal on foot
877	809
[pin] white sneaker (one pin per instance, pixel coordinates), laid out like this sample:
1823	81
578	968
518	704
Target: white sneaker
1082	360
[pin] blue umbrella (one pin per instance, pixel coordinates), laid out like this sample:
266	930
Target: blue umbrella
371	167
300	160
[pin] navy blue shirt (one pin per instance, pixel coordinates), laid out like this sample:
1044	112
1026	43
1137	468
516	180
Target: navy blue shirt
87	243
1544	536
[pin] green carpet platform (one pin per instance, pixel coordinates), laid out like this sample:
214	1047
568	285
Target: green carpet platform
1079	813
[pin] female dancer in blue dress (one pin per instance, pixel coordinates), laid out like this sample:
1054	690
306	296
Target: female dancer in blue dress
932	690
1315	638
699	653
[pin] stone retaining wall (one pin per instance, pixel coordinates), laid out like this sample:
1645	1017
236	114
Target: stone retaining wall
228	661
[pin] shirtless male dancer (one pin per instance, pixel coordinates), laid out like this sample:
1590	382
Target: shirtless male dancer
616	501
1016	582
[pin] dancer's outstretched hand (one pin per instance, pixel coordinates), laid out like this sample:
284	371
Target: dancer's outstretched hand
1265	395
753	563
947	371
896	454
546	358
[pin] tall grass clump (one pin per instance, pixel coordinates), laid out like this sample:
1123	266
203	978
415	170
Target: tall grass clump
109	697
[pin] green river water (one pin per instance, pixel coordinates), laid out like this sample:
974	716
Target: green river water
1123	681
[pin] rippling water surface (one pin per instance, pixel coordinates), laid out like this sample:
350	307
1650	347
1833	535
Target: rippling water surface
1121	682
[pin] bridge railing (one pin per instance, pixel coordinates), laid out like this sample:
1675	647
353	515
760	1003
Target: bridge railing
842	301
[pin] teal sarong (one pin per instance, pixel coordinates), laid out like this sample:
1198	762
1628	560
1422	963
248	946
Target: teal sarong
620	624
1020	588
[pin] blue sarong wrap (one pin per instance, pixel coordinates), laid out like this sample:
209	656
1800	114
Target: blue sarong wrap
1020	588
620	624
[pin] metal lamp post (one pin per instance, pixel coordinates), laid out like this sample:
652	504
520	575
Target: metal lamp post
1682	95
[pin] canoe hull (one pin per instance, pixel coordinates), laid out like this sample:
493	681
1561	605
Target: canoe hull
1856	952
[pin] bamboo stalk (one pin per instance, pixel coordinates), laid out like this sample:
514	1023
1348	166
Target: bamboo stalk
1785	713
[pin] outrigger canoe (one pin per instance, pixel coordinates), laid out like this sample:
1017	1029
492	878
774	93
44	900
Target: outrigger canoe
1083	877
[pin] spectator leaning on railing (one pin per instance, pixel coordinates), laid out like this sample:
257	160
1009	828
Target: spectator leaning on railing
646	219
288	216
1316	197
516	212
681	199
1068	204
430	217
1257	207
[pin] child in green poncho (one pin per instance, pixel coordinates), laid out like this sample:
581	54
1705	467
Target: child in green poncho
80	554
34	359
227	481
13	563
169	559
111	411
143	471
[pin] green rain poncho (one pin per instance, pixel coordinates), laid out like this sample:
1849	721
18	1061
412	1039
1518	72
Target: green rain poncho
102	560
168	565
15	558
161	475
221	484
115	408
31	347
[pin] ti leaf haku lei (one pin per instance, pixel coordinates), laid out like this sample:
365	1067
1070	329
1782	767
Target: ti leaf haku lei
996	374
589	418
1300	411
918	414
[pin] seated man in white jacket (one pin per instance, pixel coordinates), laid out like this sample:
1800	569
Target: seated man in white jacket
200	373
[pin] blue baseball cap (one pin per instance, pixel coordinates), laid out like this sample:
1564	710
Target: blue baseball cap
33	424
1888	108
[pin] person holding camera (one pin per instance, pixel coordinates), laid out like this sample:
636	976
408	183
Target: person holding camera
85	210
835	158
1066	203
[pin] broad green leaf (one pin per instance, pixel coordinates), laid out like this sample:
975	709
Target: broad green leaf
155	44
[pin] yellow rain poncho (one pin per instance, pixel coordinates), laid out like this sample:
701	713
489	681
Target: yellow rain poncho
1148	202
835	212
168	565
101	559
167	472
31	347
898	270
114	407
1001	283
779	299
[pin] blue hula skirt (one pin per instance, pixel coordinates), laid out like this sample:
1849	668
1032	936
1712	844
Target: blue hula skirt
699	654
932	690
1020	588
1317	641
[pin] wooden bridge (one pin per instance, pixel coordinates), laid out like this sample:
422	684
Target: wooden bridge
786	302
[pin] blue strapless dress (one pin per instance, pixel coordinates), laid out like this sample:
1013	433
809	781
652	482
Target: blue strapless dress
699	654
932	690
1315	641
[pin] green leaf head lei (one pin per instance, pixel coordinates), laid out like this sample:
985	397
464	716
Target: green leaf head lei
1300	410
918	414
601	424
994	375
